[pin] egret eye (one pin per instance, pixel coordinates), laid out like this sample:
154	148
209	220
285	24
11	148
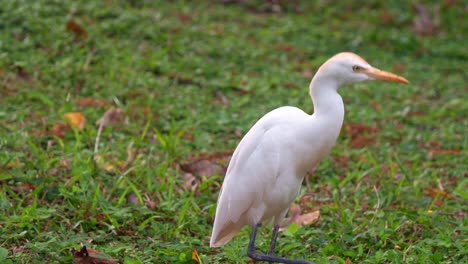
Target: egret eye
357	68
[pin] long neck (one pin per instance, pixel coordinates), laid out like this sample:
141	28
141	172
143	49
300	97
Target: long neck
327	102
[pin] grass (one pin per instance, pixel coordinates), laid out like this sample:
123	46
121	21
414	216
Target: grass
190	79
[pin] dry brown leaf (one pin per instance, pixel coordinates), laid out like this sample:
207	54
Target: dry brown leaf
75	28
307	219
132	198
290	85
22	73
294	210
218	157
76	119
191	182
386	17
219	96
111	116
375	105
184	18
307	74
399	67
301	219
438	202
91	102
423	24
83	257
149	203
204	168
59	129
284	47
13	164
436	192
361	135
340	161
23	187
348	261
196	257
444	152
146	111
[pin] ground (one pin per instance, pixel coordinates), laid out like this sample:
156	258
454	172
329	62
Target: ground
118	118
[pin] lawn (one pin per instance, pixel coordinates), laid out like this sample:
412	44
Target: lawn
118	119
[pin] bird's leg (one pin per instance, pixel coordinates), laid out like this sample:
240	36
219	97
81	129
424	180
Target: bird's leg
274	236
251	249
271	251
252	252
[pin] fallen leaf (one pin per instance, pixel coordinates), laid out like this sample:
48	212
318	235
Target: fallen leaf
13	164
146	111
75	28
415	113
307	74
59	130
284	47
76	119
219	96
204	168
443	152
290	85
438	193
196	257
375	105
191	182
132	198
23	187
22	73
307	219
111	116
84	257
386	17
439	202
218	157
340	161
398	177
399	67
91	102
149	203
361	135
301	219
184	18
78	85
422	24
294	210
450	3
183	80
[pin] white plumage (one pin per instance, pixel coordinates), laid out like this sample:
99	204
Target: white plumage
269	164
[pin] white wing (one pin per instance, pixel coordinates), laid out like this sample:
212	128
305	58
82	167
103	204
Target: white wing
264	174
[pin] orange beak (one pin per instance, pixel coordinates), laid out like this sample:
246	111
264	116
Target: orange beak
383	75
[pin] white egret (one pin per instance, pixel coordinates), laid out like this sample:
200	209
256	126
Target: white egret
269	164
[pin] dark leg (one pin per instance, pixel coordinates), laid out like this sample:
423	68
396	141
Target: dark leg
271	251
252	252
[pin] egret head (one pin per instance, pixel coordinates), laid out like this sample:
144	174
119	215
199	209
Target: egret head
347	67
